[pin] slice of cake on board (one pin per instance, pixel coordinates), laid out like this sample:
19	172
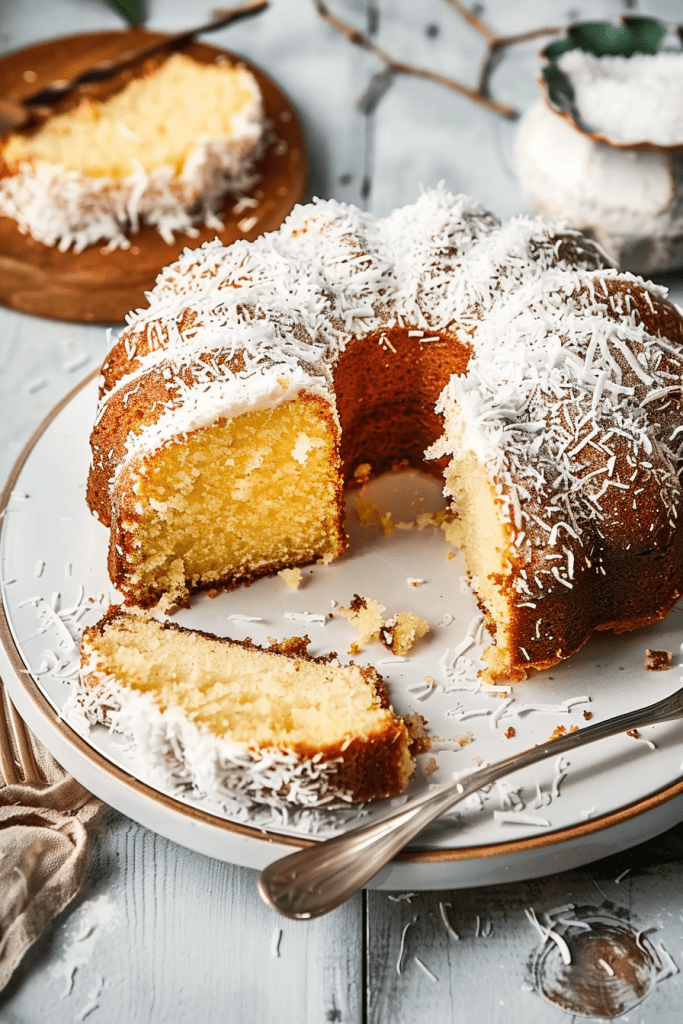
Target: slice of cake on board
164	148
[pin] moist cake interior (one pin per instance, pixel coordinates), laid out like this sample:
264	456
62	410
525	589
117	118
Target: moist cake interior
154	121
243	693
239	495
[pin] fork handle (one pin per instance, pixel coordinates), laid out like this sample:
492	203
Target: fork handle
313	881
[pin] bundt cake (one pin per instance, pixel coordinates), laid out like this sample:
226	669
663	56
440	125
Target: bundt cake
241	723
545	385
163	149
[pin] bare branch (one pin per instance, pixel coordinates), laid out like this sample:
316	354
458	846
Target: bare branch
495	43
474	20
400	67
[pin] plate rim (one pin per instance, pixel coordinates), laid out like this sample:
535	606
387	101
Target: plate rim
269	834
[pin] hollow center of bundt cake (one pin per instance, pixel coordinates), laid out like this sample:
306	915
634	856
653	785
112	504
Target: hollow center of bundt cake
386	388
154	121
238	498
241	693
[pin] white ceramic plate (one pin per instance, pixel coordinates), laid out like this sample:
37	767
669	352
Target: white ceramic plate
557	815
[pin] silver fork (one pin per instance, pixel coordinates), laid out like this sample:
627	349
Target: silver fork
315	880
17	760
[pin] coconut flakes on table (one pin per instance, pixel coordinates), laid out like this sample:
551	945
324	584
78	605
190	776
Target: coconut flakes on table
498	713
667	962
439	745
399	961
458	672
509	795
474	713
557	782
423	967
422	690
542	799
444	917
548	933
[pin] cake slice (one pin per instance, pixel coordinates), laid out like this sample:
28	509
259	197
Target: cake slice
241	723
164	148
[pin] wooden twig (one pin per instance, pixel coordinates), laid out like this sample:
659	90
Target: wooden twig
246	10
398	67
472	19
495	43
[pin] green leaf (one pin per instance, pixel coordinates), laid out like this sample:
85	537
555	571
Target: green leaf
132	10
633	35
560	88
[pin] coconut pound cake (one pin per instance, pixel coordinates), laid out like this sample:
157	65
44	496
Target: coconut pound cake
542	383
239	723
163	149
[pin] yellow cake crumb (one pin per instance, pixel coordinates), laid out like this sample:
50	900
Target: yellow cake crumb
292	577
401	632
362	473
439	517
367	511
387	524
398	634
110	138
366	615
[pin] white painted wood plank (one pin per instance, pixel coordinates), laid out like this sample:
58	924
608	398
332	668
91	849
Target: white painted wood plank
188	941
491	973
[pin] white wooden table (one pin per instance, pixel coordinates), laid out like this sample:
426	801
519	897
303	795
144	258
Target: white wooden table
167	935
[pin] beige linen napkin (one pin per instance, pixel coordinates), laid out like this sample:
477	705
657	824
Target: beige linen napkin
43	855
